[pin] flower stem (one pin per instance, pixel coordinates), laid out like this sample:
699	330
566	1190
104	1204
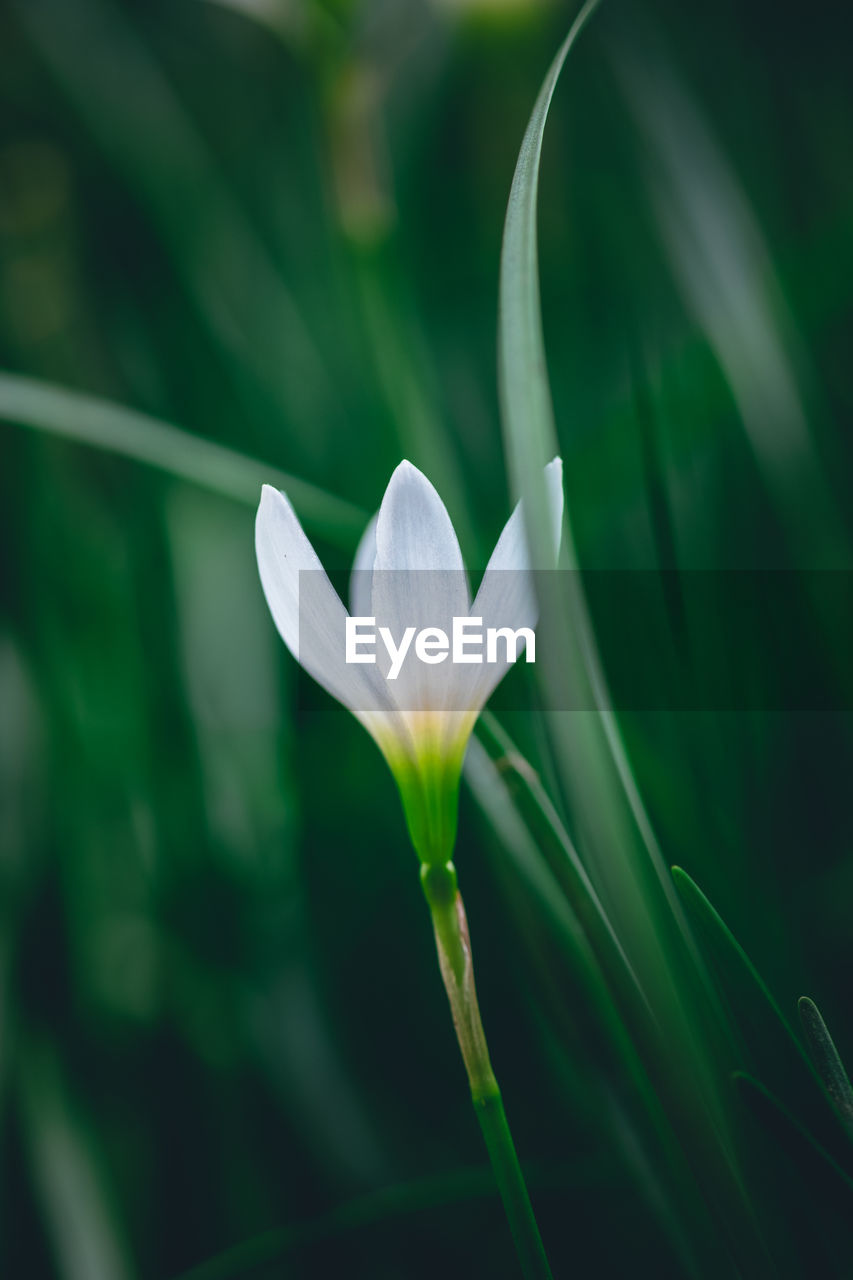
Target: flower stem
454	956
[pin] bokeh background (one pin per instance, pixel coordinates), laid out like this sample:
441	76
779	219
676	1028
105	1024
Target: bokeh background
275	226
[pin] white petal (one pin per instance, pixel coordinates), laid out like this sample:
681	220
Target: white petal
507	594
413	529
361	578
419	581
306	608
511	548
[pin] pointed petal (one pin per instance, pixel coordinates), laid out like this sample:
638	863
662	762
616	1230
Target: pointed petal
511	548
306	608
507	594
361	578
413	528
419	581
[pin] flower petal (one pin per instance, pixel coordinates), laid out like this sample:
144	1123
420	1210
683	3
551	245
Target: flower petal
419	581
507	594
413	529
511	548
306	608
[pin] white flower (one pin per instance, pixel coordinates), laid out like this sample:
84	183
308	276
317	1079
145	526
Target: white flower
408	572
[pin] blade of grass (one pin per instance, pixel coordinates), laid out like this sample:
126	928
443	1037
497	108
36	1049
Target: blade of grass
826	1058
763	1030
614	834
570	875
594	767
492	796
576	680
730	955
529	432
575	924
87	420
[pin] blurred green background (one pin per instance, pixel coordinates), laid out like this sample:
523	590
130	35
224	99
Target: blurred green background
276	225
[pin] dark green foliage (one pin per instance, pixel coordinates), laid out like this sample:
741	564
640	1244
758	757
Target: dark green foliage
273	234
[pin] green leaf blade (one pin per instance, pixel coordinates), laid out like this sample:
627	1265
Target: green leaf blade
826	1058
523	380
101	424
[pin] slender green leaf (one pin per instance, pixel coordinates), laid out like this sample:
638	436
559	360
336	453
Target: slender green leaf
528	416
728	952
764	1032
594	760
826	1058
570	905
614	834
88	420
569	873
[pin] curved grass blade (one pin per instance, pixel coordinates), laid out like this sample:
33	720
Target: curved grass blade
490	791
526	408
710	926
91	421
763	1029
613	832
570	875
598	964
567	914
826	1059
594	753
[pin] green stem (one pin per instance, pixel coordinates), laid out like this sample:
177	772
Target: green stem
454	956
